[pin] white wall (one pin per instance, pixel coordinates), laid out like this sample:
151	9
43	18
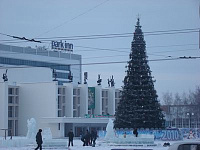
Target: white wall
37	100
3	107
98	100
76	69
69	99
83	99
24	75
111	100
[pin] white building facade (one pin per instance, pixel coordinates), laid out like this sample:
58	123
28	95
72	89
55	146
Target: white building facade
58	107
33	91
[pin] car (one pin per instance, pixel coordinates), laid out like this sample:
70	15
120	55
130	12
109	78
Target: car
185	145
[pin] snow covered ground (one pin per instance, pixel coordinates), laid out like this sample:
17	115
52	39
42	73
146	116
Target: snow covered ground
101	145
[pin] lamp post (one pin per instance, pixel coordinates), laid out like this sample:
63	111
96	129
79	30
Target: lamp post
190	118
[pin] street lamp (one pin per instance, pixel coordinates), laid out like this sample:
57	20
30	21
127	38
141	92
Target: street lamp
190	117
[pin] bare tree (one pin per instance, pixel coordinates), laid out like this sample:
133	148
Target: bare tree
177	99
167	98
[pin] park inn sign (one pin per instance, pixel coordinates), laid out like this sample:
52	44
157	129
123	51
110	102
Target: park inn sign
59	45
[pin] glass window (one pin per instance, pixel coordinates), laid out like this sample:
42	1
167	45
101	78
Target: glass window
10	111
59	126
59	113
59	91
79	100
10	91
78	91
16	111
16	127
103	95
17	91
12	61
17	100
10	99
63	110
63	91
74	91
63	99
59	102
106	101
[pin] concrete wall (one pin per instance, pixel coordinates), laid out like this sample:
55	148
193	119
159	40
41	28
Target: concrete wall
98	100
37	100
83	99
111	100
24	75
3	107
69	99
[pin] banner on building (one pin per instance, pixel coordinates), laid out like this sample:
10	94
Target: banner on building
91	97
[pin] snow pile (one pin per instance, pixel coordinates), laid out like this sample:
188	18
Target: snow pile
16	142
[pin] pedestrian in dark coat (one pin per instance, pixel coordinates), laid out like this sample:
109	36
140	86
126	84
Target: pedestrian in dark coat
39	139
135	132
87	138
93	138
71	136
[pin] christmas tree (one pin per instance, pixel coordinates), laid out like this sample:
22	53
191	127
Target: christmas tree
138	107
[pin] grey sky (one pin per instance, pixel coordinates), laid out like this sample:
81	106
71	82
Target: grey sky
52	18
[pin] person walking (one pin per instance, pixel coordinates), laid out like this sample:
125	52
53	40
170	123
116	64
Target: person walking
71	136
83	138
93	138
39	139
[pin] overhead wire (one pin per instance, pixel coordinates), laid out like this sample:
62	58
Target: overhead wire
74	17
103	63
118	35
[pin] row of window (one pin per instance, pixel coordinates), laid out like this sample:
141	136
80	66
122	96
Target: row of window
13	61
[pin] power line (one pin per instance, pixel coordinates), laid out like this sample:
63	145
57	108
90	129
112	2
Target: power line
121	34
118	35
113	50
102	63
74	17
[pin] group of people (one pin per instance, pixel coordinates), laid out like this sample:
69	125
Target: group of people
89	139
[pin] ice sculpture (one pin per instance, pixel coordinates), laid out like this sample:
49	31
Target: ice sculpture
31	124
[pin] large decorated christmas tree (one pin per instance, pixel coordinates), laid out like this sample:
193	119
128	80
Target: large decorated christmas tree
139	106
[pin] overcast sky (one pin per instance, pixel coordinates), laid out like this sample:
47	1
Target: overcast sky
56	18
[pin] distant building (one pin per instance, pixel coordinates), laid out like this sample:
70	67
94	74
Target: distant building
53	63
182	116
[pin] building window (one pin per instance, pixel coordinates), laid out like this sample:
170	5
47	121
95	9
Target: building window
17	100
10	91
16	127
16	111
10	99
59	126
10	111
